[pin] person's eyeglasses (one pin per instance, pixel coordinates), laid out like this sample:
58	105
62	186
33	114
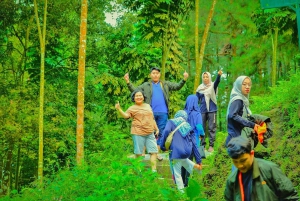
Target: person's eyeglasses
245	85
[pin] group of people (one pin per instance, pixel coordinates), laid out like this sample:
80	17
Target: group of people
150	129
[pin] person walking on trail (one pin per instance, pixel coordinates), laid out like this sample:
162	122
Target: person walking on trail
182	147
143	127
157	94
206	93
255	179
238	108
195	120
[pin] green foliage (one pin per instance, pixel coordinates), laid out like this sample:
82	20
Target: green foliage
281	106
194	191
108	175
283	96
159	23
268	19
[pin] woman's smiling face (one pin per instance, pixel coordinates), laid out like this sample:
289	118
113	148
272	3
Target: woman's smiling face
138	98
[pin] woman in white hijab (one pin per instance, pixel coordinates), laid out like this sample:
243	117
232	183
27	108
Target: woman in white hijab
206	93
238	108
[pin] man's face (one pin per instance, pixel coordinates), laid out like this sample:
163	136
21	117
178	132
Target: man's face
244	162
155	75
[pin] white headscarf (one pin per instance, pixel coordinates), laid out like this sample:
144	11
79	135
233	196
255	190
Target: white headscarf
208	90
236	94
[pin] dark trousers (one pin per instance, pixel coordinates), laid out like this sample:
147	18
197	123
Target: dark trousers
211	118
161	121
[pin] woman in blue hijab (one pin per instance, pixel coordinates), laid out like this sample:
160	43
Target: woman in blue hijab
182	147
194	116
195	120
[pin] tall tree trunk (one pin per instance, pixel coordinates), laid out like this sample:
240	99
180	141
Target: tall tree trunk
274	59
203	44
81	78
220	108
42	37
189	60
18	166
2	161
5	187
197	75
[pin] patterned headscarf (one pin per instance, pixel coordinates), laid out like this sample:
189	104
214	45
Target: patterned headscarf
208	90
236	93
180	117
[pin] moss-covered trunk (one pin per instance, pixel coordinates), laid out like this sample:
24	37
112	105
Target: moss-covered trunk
81	79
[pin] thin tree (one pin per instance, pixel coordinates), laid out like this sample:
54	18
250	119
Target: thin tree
274	57
203	44
197	76
81	78
42	37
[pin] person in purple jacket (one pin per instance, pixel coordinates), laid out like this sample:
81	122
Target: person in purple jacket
206	93
182	147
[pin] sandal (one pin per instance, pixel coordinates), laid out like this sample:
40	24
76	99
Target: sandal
159	158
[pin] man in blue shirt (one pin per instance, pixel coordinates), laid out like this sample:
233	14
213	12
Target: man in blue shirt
157	95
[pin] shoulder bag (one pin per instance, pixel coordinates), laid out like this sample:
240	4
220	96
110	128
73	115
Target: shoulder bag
170	137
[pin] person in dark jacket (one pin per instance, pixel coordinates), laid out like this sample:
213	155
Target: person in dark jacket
255	179
195	120
238	108
206	93
157	96
182	146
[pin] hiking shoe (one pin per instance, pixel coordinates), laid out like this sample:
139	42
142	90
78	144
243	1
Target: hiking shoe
210	149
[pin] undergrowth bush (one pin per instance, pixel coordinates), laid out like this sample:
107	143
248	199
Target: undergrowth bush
282	105
107	175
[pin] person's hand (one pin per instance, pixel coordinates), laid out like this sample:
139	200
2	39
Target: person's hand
220	72
198	166
256	126
185	76
157	132
117	106
126	78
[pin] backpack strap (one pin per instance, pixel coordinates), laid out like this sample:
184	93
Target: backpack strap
177	128
170	136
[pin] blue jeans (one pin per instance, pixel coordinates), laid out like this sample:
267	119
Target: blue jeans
161	121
